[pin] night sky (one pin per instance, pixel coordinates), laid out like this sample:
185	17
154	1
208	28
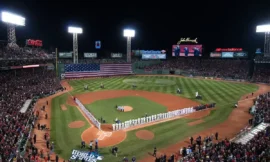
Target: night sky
158	25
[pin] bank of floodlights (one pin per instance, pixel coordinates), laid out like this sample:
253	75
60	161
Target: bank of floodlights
12	20
265	29
129	33
75	31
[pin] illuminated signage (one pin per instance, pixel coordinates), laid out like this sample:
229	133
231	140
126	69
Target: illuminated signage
153	56
153	52
31	42
98	44
258	51
65	54
187	40
228	49
215	54
90	55
116	55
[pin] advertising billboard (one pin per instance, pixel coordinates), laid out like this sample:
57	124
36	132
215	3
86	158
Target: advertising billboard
229	49
153	56
215	54
227	54
258	51
187	50
240	54
116	55
36	43
90	55
65	54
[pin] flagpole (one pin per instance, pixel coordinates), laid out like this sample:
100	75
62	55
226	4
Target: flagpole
56	62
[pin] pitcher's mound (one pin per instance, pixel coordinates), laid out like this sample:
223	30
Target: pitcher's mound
127	108
63	107
76	124
145	135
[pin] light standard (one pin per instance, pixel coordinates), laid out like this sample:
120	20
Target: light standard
265	29
129	33
12	20
75	31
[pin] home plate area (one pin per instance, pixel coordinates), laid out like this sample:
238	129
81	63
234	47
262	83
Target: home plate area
101	135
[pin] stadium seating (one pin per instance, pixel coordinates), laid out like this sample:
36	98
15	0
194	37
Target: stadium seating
255	150
221	68
16	87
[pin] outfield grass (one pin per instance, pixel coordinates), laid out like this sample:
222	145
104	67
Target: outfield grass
106	108
224	94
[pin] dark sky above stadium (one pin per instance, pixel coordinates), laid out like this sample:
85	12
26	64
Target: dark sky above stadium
158	24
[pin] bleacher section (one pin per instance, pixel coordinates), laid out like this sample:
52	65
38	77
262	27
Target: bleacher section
244	139
96	70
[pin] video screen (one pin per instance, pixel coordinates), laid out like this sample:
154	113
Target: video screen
227	54
187	50
65	54
153	56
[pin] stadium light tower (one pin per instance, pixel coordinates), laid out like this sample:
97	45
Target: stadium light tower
12	20
75	31
265	29
129	33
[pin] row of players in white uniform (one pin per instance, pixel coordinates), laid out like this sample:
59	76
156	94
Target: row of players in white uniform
134	122
120	108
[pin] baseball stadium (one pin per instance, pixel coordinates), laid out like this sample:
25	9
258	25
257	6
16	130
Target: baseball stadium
139	105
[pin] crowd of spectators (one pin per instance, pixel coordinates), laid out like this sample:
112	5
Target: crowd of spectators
8	63
16	87
261	74
261	58
210	149
262	109
15	53
221	68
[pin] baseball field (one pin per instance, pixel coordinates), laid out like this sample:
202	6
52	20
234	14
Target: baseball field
153	95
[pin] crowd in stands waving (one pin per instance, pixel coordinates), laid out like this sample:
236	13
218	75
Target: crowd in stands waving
16	87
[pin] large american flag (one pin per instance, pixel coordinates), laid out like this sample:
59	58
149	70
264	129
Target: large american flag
95	70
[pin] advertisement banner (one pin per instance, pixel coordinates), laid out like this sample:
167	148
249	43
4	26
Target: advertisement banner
258	51
31	42
215	54
187	50
86	155
65	54
229	49
227	54
116	55
153	56
240	54
90	55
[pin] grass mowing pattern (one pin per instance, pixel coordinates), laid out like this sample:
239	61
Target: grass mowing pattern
224	94
106	109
